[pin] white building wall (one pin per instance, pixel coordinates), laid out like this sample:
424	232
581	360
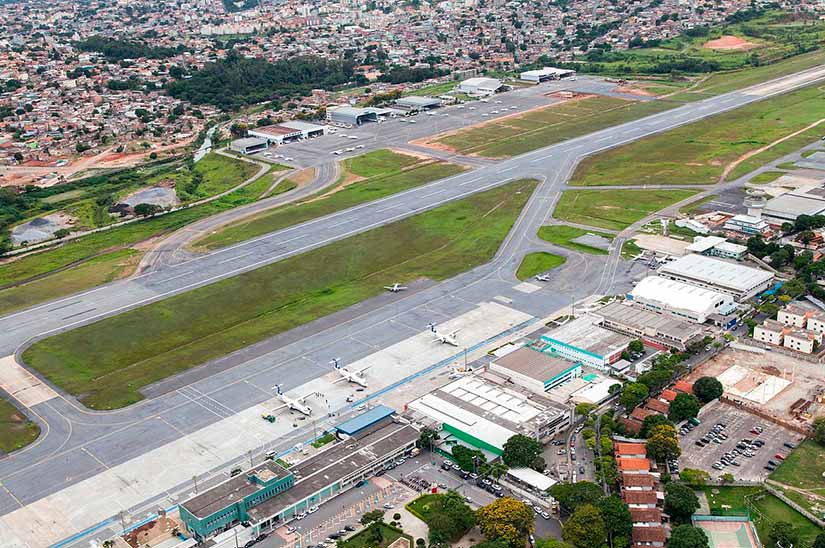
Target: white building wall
767	336
788	318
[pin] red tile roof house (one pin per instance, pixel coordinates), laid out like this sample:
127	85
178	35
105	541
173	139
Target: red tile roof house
629	465
648	536
668	395
640	499
647	516
638	482
658	405
627	449
683	386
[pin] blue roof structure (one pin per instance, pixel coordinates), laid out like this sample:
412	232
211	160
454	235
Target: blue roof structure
364	420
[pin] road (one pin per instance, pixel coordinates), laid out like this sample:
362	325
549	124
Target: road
78	445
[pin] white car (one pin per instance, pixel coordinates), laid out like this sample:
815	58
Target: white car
337	152
412	121
388	506
350	149
289	158
352	137
359	146
312	509
472	108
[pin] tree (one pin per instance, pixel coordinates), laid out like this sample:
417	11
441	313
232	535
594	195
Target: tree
520	451
652	421
585	528
468	459
427	437
680	502
684	406
507	519
662	443
18	157
616	515
688	536
819	542
632	395
707	389
573	495
551	542
819	430
146	210
694	477
584	409
636	346
373	515
782	535
498	469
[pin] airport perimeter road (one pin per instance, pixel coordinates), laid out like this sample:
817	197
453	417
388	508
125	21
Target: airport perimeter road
69	312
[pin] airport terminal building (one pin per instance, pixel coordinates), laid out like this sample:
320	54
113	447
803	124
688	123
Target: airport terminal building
739	281
268	495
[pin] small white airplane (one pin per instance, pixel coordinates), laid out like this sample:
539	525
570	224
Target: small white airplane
543	277
448	338
355	377
395	288
293	404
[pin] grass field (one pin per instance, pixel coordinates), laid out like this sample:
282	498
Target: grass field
97	258
16	430
630	250
536	263
434	89
106	363
367	538
531	130
614	209
697	153
766	177
564	235
804	467
365	178
766	509
217	173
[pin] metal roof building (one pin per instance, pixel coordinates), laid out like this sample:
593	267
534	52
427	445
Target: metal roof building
415	102
583	340
351	116
480	86
534	370
545	74
366	419
787	207
739	281
655	329
689	302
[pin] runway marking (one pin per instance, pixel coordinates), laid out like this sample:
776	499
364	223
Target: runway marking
236	258
188	272
78	313
64	305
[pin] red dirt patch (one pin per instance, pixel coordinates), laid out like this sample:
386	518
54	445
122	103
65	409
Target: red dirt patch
731	43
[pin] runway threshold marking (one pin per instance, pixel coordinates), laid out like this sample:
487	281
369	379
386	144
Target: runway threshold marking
64	306
78	313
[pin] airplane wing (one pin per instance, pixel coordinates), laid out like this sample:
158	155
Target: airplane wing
362	370
453	333
388	288
303	398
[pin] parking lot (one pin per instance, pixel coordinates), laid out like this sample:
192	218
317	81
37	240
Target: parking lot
738	425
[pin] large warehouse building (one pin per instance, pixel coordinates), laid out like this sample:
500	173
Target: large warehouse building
481	86
739	281
482	414
785	208
655	329
268	495
545	74
286	132
582	340
415	103
534	370
351	116
685	301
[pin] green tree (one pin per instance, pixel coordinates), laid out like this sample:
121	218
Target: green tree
819	430
507	519
584	409
684	406
427	438
585	528
551	542
636	346
371	516
680	502
146	210
662	443
520	451
573	495
707	389
688	536
652	421
632	395
782	535
819	542
616	515
468	459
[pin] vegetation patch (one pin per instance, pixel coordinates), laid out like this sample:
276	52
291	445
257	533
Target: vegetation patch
766	177
563	235
106	363
698	153
630	250
364	179
614	209
377	535
16	430
536	263
546	126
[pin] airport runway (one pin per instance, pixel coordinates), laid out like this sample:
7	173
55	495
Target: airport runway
78	444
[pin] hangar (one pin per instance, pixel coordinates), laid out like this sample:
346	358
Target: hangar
351	116
534	370
417	103
249	145
287	132
545	74
739	281
689	302
481	86
584	341
655	329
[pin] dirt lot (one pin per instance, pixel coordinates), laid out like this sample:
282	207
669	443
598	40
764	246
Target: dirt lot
730	43
738	426
806	377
